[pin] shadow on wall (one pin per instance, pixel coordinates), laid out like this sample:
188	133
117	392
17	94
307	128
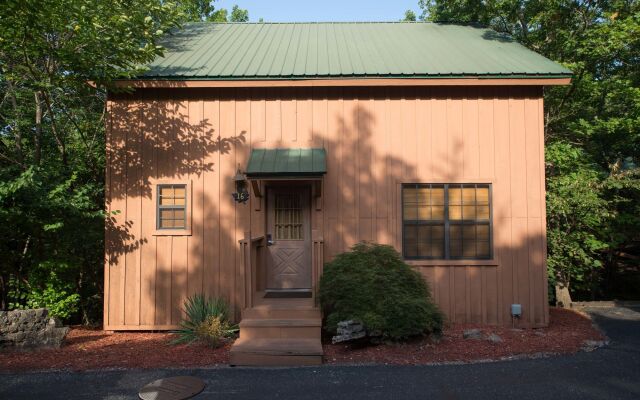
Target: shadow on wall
376	139
153	139
373	148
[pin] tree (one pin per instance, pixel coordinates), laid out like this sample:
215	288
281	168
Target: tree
409	16
57	57
204	10
221	15
592	128
198	10
239	15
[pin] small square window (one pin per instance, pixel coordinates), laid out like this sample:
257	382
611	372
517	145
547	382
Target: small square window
172	206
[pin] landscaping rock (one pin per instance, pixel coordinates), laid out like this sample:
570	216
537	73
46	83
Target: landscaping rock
435	338
349	331
29	329
472	334
493	338
591	345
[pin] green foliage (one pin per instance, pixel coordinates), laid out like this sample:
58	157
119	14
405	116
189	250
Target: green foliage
372	284
592	128
575	201
197	10
204	10
57	58
409	16
52	286
239	15
207	320
52	218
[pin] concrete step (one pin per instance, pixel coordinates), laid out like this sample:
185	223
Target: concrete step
282	352
271	328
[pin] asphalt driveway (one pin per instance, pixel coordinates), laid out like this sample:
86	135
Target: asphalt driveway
612	372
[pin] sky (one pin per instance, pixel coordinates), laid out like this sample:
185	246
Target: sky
320	11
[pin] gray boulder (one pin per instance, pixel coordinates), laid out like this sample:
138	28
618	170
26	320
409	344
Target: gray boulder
493	338
472	334
349	331
30	329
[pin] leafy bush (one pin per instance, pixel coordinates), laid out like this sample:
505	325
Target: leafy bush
371	284
50	286
207	321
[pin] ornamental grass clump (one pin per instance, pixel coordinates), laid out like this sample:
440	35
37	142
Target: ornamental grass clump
371	284
207	320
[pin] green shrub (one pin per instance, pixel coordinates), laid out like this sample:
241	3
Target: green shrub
371	284
207	320
49	286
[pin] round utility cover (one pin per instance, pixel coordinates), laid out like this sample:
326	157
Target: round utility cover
174	388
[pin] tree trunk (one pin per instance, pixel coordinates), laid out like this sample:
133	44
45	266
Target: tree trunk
38	133
18	130
563	297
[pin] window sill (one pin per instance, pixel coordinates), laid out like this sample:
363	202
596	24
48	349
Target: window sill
451	263
172	232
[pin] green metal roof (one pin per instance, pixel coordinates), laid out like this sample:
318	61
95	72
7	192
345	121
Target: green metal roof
242	51
286	162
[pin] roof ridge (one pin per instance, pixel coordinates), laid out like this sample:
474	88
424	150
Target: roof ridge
331	23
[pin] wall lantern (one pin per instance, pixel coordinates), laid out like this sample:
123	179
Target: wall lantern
242	191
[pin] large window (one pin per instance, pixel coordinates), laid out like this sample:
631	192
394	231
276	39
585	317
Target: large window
446	221
172	206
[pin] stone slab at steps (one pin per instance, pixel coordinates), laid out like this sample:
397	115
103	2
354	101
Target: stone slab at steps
276	352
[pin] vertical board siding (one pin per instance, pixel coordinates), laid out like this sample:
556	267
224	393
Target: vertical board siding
148	257
227	168
376	139
243	215
195	261
118	224
164	244
132	214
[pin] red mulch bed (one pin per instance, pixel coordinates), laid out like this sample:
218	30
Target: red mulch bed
87	349
566	333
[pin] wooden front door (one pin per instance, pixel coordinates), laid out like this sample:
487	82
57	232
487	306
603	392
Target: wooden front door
288	238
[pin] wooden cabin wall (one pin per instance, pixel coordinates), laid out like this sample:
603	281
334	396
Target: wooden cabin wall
376	139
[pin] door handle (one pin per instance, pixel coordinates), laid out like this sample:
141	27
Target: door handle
269	240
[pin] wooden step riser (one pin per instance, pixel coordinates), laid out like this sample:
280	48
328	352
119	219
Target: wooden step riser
255	313
251	359
280	332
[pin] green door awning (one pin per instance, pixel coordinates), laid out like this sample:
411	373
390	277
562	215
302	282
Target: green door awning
286	162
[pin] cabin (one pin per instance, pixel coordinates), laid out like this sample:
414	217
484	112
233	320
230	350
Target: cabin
250	154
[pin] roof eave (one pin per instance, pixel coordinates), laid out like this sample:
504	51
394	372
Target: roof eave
440	80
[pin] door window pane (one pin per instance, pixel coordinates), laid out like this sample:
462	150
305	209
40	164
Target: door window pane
288	223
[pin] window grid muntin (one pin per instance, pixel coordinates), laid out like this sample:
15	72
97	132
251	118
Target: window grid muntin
417	224
448	222
173	208
288	217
